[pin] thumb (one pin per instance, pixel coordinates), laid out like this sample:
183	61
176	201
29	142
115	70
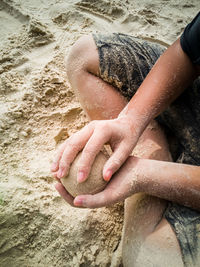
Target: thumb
102	199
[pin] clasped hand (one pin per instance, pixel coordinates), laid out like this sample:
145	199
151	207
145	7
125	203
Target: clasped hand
122	137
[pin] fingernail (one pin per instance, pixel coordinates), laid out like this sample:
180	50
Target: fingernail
78	201
107	175
60	174
80	177
53	166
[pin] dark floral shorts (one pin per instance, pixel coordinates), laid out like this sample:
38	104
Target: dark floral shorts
124	62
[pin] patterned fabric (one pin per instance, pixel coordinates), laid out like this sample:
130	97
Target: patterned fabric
186	225
124	62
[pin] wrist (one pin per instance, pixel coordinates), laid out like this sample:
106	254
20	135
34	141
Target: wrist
136	119
137	174
143	171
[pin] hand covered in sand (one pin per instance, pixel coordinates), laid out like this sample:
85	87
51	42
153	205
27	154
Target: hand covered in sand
123	184
120	133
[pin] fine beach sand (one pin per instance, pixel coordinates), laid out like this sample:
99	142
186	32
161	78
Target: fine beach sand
38	110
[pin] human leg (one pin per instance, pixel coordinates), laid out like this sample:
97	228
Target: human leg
96	89
99	99
101	71
148	239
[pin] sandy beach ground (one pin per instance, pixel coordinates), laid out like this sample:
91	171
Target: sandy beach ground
38	110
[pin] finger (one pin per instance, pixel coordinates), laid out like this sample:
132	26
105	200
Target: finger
102	199
122	185
91	149
73	145
54	174
64	194
55	163
116	160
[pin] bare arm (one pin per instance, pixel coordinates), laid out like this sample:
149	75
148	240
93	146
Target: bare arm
151	145
167	79
172	181
171	74
153	174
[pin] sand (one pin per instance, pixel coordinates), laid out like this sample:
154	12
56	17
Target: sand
38	110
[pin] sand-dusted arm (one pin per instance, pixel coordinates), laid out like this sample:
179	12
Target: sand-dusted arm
172	73
153	174
169	77
171	181
151	145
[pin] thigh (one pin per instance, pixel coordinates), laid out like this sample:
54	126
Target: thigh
182	120
125	61
148	239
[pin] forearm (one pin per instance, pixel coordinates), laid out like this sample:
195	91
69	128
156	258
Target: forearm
171	74
171	181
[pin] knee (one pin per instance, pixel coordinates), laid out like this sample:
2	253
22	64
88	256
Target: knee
83	56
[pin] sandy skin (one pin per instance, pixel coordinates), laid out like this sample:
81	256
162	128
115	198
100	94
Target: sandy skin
122	133
33	82
124	179
121	129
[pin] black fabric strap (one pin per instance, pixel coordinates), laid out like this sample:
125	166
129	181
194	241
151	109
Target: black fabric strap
190	40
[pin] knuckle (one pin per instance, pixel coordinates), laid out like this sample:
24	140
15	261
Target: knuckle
88	151
103	125
63	164
116	162
56	159
57	155
82	167
103	130
73	146
93	123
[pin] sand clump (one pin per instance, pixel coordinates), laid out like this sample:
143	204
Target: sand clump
94	183
38	110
